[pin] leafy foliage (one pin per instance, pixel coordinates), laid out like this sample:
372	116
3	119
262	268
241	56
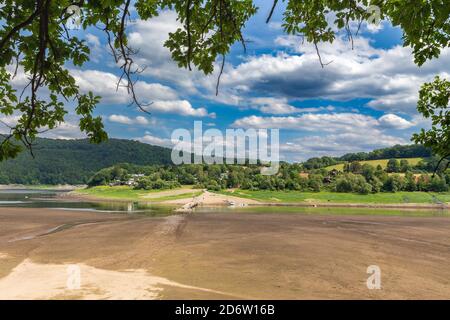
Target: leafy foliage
248	177
34	37
434	104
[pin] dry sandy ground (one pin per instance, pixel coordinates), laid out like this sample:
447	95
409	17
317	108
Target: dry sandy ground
222	255
213	199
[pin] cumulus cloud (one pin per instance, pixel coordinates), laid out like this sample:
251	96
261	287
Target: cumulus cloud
127	120
180	107
105	85
326	122
393	121
332	133
163	99
154	140
149	37
7	122
272	105
65	130
388	77
303	148
95	46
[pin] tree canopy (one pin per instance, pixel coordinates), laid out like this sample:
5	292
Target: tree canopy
34	36
434	104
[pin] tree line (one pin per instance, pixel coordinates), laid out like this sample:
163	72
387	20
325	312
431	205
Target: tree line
356	178
395	152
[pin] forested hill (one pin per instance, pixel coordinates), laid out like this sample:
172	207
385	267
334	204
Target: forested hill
75	161
398	151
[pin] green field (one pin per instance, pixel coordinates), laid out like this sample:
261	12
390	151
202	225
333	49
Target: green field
128	193
376	198
375	163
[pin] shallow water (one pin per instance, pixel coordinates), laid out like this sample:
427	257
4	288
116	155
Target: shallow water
49	199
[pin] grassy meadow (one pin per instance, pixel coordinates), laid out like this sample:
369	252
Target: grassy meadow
375	163
335	197
127	193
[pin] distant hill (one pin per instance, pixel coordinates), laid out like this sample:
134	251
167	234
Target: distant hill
375	163
397	152
75	161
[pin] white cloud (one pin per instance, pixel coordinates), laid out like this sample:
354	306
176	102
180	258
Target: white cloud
104	84
120	119
180	107
333	133
162	98
153	140
127	120
66	130
324	122
388	77
272	105
393	121
149	37
95	47
142	120
92	39
7	122
303	148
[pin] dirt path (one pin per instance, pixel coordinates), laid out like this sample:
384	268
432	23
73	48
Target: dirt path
209	199
224	255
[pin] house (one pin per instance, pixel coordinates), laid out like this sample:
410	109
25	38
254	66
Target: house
304	175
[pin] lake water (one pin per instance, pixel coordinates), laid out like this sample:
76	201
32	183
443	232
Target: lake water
50	199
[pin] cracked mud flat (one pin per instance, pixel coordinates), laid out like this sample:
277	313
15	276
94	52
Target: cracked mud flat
222	256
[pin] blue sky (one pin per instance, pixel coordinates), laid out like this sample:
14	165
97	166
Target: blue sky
363	99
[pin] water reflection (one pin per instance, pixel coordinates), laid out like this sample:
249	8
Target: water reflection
49	199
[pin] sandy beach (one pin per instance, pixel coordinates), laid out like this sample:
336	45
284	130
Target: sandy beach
221	255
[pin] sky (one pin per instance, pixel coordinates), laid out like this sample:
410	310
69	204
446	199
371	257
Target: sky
364	98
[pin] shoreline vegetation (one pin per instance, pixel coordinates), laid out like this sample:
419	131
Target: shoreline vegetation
126	193
238	198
